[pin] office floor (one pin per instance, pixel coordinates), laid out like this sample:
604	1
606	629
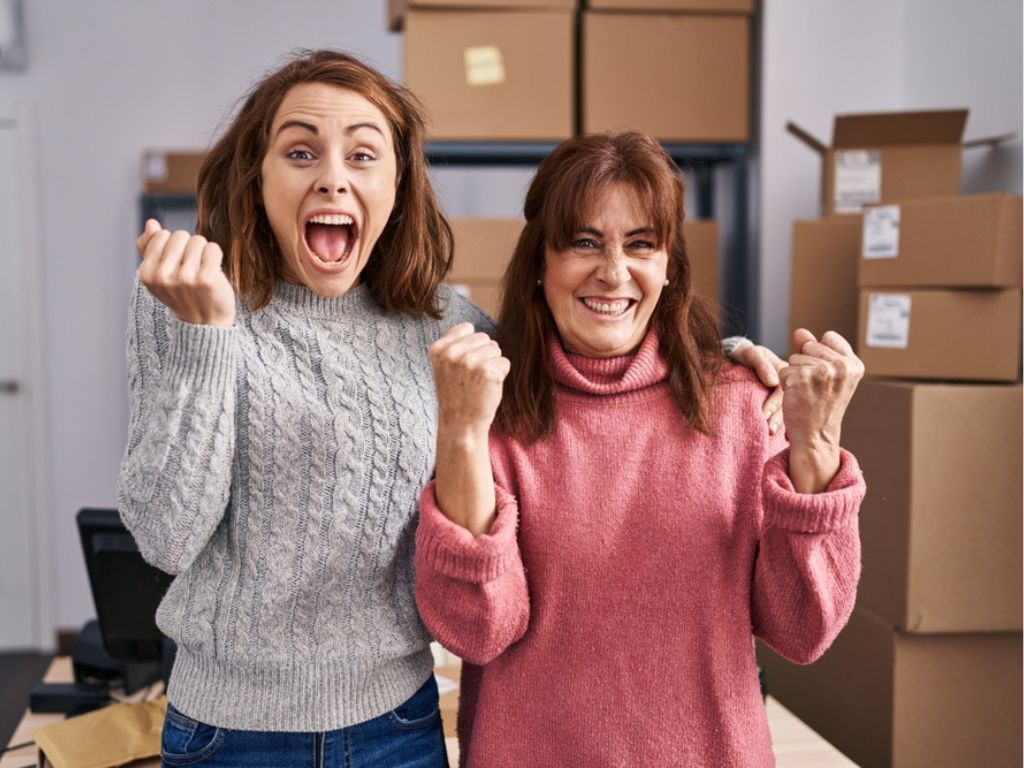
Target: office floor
18	673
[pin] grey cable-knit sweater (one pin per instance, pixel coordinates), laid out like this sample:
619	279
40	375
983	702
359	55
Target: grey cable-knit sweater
275	468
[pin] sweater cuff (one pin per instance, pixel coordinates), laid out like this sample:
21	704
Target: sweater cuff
836	507
454	552
201	357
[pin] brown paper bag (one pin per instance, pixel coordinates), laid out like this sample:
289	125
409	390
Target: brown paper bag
108	737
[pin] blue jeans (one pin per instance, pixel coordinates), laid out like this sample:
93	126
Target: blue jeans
407	737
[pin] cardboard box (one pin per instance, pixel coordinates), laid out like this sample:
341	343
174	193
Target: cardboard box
398	8
689	79
492	75
701	236
941	523
483	248
171	172
968	335
969	241
889	699
823	276
888	157
707	6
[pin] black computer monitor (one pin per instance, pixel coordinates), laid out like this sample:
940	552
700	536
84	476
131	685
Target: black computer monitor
125	588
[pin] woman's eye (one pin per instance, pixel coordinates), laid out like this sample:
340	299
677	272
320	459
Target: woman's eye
584	243
299	154
363	157
642	245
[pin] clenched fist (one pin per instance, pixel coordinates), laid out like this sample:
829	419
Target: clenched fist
468	373
817	387
183	271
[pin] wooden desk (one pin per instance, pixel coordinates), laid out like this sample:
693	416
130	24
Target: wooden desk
795	744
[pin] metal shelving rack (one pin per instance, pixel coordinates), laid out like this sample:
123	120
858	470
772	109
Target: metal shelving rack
737	268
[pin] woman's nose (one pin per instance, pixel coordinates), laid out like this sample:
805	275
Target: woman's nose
613	269
333	178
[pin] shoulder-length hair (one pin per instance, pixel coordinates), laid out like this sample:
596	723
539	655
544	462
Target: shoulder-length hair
568	184
414	251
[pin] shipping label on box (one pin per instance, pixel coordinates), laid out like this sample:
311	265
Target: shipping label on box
484	65
858	180
888	321
881	232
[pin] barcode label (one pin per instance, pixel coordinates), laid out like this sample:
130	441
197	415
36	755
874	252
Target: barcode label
888	321
881	234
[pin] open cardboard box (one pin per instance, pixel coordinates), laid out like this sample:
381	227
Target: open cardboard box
890	157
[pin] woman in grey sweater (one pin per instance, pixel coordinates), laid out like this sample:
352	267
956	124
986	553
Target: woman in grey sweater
282	425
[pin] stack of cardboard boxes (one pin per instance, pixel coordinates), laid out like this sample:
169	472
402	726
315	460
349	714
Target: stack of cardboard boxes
928	670
506	70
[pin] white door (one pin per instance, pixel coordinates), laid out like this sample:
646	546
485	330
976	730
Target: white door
19	585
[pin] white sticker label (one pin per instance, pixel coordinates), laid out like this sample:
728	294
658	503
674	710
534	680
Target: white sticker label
888	320
858	180
484	65
881	237
156	166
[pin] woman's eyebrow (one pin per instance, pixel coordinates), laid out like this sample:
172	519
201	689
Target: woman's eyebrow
297	124
356	126
631	233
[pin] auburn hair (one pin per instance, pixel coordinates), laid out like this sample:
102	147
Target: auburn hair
413	253
561	198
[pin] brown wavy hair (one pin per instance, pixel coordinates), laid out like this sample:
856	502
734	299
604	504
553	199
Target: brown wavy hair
414	251
568	184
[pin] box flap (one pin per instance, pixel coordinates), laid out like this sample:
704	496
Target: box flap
897	128
990	140
816	144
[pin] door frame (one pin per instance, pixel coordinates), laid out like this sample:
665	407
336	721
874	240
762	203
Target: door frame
36	388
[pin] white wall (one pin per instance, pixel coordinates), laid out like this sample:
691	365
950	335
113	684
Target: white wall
823	57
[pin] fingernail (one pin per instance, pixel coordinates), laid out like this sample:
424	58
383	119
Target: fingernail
773	428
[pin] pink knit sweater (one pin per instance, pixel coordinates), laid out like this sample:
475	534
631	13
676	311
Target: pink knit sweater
606	618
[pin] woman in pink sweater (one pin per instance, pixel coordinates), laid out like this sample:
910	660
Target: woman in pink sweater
602	555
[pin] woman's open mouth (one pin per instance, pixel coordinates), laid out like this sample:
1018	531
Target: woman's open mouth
608	307
331	237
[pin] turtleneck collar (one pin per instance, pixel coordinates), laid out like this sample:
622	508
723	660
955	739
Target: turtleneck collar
291	297
609	375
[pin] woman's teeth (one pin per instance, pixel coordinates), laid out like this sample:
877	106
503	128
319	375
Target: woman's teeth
607	307
331	218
